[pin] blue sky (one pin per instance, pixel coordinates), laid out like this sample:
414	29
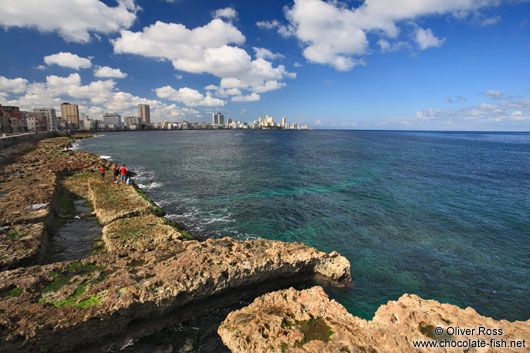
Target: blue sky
373	64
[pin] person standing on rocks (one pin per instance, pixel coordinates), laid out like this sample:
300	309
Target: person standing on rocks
123	172
102	172
116	172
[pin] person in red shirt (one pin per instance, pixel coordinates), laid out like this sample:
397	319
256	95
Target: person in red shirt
102	172
123	172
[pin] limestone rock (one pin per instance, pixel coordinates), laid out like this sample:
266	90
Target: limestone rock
119	287
21	245
115	201
139	232
307	321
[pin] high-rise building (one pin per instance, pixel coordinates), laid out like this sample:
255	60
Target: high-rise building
70	112
284	123
144	114
218	119
49	115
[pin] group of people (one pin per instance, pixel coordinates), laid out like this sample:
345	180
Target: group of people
123	171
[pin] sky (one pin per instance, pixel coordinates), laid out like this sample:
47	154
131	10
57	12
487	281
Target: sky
372	64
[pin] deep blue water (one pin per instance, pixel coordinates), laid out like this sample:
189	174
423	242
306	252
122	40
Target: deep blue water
439	214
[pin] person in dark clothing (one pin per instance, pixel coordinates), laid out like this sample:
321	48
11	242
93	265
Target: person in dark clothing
115	171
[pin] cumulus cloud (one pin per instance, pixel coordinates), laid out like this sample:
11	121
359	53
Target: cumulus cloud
211	49
266	54
426	39
386	47
67	59
15	85
188	96
228	12
74	20
333	34
249	98
105	71
94	98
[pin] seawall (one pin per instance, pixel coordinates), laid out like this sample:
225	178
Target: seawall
13	140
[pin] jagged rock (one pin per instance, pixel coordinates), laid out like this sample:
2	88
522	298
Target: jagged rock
119	287
307	321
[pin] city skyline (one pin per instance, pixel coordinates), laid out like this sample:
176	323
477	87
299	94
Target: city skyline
428	65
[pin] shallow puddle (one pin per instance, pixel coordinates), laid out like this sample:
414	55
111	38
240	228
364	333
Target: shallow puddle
74	240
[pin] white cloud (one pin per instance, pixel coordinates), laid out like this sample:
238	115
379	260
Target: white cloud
188	96
67	59
283	30
426	39
333	34
105	71
94	98
493	94
15	85
268	24
266	54
178	76
74	20
491	21
207	49
228	12
386	47
507	110
249	98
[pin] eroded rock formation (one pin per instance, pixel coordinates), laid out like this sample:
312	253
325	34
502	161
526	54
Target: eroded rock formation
307	321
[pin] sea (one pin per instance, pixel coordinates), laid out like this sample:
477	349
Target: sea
444	215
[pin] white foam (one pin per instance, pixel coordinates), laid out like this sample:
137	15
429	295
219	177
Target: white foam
106	157
149	186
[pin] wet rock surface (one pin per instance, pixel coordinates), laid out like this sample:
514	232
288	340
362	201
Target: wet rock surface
307	321
143	271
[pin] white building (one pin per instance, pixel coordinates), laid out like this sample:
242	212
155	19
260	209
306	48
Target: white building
266	121
112	120
87	124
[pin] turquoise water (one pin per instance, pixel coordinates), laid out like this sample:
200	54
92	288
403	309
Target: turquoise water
439	214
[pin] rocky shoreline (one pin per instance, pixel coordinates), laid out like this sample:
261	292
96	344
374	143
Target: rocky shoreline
144	267
146	275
